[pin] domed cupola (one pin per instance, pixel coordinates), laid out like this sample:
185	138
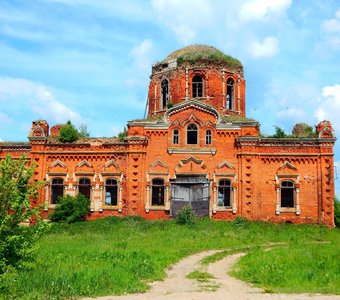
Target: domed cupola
198	72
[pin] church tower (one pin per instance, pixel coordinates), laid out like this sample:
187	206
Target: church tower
198	72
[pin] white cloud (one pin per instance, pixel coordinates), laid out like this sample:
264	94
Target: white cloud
258	9
34	98
141	54
4	118
293	114
184	18
332	25
329	108
267	48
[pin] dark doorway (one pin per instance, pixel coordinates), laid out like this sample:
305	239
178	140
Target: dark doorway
190	190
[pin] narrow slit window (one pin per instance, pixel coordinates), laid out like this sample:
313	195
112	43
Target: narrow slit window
165	93
192	134
208	137
197	86
230	94
111	192
176	137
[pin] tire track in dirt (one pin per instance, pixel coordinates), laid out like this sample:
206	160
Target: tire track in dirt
222	286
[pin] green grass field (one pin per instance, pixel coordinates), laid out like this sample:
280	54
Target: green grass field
117	256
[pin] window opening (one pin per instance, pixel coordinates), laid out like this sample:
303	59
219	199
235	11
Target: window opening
157	192
111	192
287	194
57	189
230	93
84	187
208	137
192	133
197	86
176	137
224	193
165	93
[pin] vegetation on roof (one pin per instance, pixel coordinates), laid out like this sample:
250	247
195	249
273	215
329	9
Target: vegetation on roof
201	53
300	130
237	118
150	119
14	143
211	56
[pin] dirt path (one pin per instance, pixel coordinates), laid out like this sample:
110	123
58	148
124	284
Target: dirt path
177	286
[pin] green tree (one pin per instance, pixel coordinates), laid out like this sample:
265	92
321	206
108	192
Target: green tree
68	133
122	135
279	133
83	131
71	209
337	212
17	189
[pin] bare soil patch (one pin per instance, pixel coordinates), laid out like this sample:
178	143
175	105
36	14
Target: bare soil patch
222	286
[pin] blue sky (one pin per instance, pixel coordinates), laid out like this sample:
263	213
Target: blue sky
89	61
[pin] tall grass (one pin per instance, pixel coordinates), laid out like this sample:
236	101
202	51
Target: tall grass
313	268
117	256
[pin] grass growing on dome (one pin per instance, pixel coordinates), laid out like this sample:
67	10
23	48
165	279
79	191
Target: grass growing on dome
121	255
208	54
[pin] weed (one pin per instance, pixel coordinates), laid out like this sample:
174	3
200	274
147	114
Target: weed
185	216
200	276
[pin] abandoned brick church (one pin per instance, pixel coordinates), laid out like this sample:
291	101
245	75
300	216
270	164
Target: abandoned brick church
196	147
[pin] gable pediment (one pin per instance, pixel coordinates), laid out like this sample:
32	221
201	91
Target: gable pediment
111	166
191	165
57	167
84	166
224	167
286	168
158	167
192	110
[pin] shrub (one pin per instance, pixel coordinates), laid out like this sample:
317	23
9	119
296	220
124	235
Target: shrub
68	133
122	135
71	209
337	212
17	242
279	133
240	222
303	130
185	216
83	131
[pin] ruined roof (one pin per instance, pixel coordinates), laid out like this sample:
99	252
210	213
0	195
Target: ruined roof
195	53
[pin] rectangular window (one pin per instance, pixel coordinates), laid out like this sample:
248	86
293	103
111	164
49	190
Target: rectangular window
208	137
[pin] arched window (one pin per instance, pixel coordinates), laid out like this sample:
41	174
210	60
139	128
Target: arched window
287	194
230	94
157	192
111	192
224	193
176	137
208	137
57	189
192	134
165	93
197	86
84	187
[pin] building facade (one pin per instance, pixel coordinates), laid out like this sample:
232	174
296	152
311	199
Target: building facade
196	147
